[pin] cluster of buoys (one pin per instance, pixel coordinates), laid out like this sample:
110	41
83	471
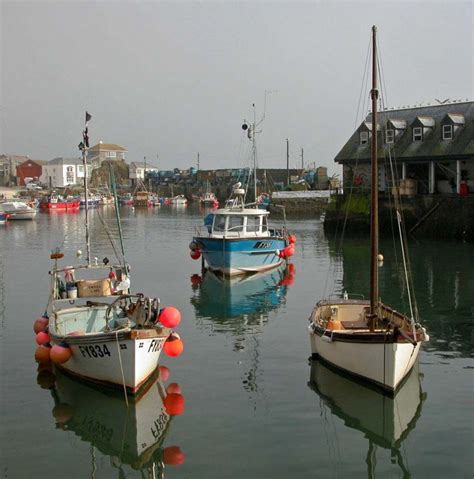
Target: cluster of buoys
194	252
45	352
288	250
170	317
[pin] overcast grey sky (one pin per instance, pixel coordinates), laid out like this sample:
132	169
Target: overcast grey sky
172	79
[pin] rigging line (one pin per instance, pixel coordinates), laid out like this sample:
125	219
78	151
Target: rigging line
112	242
121	368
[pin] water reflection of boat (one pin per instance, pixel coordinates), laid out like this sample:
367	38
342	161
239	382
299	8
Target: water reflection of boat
384	420
131	435
220	298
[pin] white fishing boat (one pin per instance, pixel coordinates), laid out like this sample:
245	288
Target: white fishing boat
368	338
18	210
177	200
97	329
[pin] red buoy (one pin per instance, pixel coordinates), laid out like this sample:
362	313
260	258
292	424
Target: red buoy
195	254
173	388
62	413
170	317
292	239
43	354
60	354
173	456
173	348
291	268
174	404
164	373
290	250
40	324
42	338
196	280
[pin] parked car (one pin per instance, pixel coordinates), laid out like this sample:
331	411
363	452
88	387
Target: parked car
33	186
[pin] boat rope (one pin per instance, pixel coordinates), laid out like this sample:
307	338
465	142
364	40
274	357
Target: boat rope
117	211
109	236
121	368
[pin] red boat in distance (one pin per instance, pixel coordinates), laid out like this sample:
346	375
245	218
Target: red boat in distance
57	202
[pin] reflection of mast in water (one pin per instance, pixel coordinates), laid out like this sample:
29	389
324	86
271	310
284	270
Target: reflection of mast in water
241	306
384	420
2	296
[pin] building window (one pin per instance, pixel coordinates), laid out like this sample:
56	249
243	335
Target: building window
111	154
364	137
389	136
69	174
418	134
447	132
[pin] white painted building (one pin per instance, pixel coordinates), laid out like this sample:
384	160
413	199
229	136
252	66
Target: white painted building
61	172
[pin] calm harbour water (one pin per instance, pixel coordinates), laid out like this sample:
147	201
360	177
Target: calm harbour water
255	405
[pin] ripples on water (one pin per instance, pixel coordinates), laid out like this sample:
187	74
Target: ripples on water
254	407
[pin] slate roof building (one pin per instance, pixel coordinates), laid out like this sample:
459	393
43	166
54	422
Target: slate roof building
105	151
433	145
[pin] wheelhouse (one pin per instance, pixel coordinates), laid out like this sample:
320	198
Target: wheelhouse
240	224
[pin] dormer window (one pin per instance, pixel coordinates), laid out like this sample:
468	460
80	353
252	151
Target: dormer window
389	136
447	132
417	134
364	137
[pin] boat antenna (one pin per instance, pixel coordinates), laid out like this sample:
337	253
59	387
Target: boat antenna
84	146
374	212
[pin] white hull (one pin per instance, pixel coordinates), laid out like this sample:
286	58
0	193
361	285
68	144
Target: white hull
116	362
19	211
385	364
246	270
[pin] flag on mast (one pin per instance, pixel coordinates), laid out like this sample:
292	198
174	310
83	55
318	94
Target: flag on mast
85	133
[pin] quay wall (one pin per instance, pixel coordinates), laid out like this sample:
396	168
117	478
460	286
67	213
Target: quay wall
428	216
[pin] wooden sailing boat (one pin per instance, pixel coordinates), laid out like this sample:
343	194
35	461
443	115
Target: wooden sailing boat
367	338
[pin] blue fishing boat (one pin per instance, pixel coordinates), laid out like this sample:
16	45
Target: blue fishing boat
238	239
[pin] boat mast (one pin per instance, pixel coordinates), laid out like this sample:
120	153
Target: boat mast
374	212
85	146
254	149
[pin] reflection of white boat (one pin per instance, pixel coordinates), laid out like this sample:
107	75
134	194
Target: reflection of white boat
18	210
385	421
369	339
131	434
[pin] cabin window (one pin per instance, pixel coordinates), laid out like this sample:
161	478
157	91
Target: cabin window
447	132
417	134
364	137
389	136
253	224
219	223
236	223
264	224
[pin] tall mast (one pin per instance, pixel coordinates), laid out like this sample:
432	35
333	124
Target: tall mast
254	148
374	212
85	146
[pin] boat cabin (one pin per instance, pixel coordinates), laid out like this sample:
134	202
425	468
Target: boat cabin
248	222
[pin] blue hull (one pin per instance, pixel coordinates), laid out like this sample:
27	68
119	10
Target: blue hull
241	255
